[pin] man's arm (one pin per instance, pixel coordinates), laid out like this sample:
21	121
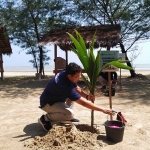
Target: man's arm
83	94
92	106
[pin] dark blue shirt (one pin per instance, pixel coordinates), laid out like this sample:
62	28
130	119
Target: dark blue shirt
59	89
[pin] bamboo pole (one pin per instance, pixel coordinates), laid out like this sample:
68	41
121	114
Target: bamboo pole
110	97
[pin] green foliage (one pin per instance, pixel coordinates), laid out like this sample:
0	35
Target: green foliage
28	20
133	15
91	63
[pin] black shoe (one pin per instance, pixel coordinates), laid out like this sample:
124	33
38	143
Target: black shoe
74	120
45	124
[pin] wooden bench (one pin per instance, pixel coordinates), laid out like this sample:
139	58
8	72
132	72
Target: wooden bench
60	64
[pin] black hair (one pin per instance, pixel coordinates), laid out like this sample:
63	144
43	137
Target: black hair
73	68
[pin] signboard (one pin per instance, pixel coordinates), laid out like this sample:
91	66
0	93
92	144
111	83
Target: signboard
122	56
107	56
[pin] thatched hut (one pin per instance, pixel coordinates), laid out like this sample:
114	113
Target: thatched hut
5	47
106	36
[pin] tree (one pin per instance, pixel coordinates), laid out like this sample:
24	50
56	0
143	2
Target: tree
133	15
28	20
24	26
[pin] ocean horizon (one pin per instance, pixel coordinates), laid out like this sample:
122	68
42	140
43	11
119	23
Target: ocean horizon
51	68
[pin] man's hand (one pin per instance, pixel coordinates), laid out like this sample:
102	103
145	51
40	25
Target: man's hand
109	112
91	97
82	101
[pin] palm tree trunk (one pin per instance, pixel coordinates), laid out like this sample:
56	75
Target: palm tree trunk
41	60
92	111
92	120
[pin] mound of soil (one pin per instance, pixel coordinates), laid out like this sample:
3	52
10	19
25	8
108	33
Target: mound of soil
62	137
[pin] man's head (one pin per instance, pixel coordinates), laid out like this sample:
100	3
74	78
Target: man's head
73	72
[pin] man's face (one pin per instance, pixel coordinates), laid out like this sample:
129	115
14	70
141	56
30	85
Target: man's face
75	77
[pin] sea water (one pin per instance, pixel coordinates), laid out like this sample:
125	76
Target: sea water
51	68
25	68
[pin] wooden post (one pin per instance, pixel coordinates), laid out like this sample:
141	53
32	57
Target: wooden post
120	80
108	47
66	57
1	66
55	56
109	87
110	98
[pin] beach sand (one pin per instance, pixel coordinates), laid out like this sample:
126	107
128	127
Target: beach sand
19	102
27	73
31	73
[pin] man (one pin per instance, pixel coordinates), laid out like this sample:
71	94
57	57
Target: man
103	79
60	88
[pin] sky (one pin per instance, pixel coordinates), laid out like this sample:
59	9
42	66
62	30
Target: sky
20	58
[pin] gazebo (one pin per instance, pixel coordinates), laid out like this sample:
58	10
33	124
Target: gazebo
5	47
107	36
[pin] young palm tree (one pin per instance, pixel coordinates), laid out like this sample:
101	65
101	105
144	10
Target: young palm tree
91	63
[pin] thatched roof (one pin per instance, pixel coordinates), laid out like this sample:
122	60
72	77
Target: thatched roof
5	47
106	36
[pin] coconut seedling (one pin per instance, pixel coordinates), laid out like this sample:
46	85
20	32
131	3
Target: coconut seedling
91	63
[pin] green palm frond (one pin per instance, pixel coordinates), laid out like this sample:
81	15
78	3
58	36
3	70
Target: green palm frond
85	80
82	43
119	65
79	50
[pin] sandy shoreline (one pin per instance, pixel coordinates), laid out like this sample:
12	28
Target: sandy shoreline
23	73
32	73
